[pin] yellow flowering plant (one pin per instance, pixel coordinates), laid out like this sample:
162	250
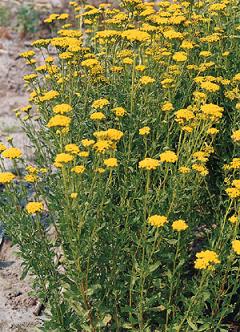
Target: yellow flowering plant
129	216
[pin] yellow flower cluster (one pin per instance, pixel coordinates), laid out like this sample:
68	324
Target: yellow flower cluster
6	177
34	207
157	220
206	259
12	153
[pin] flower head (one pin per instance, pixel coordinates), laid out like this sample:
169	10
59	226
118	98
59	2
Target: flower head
236	136
100	103
119	111
168	157
63	158
157	220
62	108
149	164
59	121
34	207
206	259
111	162
144	131
144	80
12	153
179	225
79	169
72	148
236	246
97	116
6	177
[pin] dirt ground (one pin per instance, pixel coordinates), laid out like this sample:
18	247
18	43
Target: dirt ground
16	305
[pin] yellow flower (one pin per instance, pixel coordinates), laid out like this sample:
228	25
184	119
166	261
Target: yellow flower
100	170
30	77
100	103
6	177
149	164
74	195
72	148
49	95
186	44
180	56
236	78
201	169
12	153
233	219
116	69
62	108
179	225
184	114
119	111
233	192
65	55
140	68
168	157
63	158
79	169
127	61
144	131
184	170
114	134
205	54
236	246
33	207
187	129
101	146
200	156
90	63
59	121
87	142
2	147
217	7
167	107
136	35
172	34
31	169
206	259
236	183
111	162
30	178
97	116
209	86
212	131
212	110
157	220
27	54
236	135
83	154
144	80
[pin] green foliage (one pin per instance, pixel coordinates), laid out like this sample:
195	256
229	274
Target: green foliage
101	239
28	19
4	15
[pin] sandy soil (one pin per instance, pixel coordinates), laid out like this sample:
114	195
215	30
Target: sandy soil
12	94
16	305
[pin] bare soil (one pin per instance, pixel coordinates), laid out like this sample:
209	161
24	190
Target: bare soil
16	305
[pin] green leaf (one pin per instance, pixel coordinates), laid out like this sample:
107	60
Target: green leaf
154	267
171	241
107	319
192	325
